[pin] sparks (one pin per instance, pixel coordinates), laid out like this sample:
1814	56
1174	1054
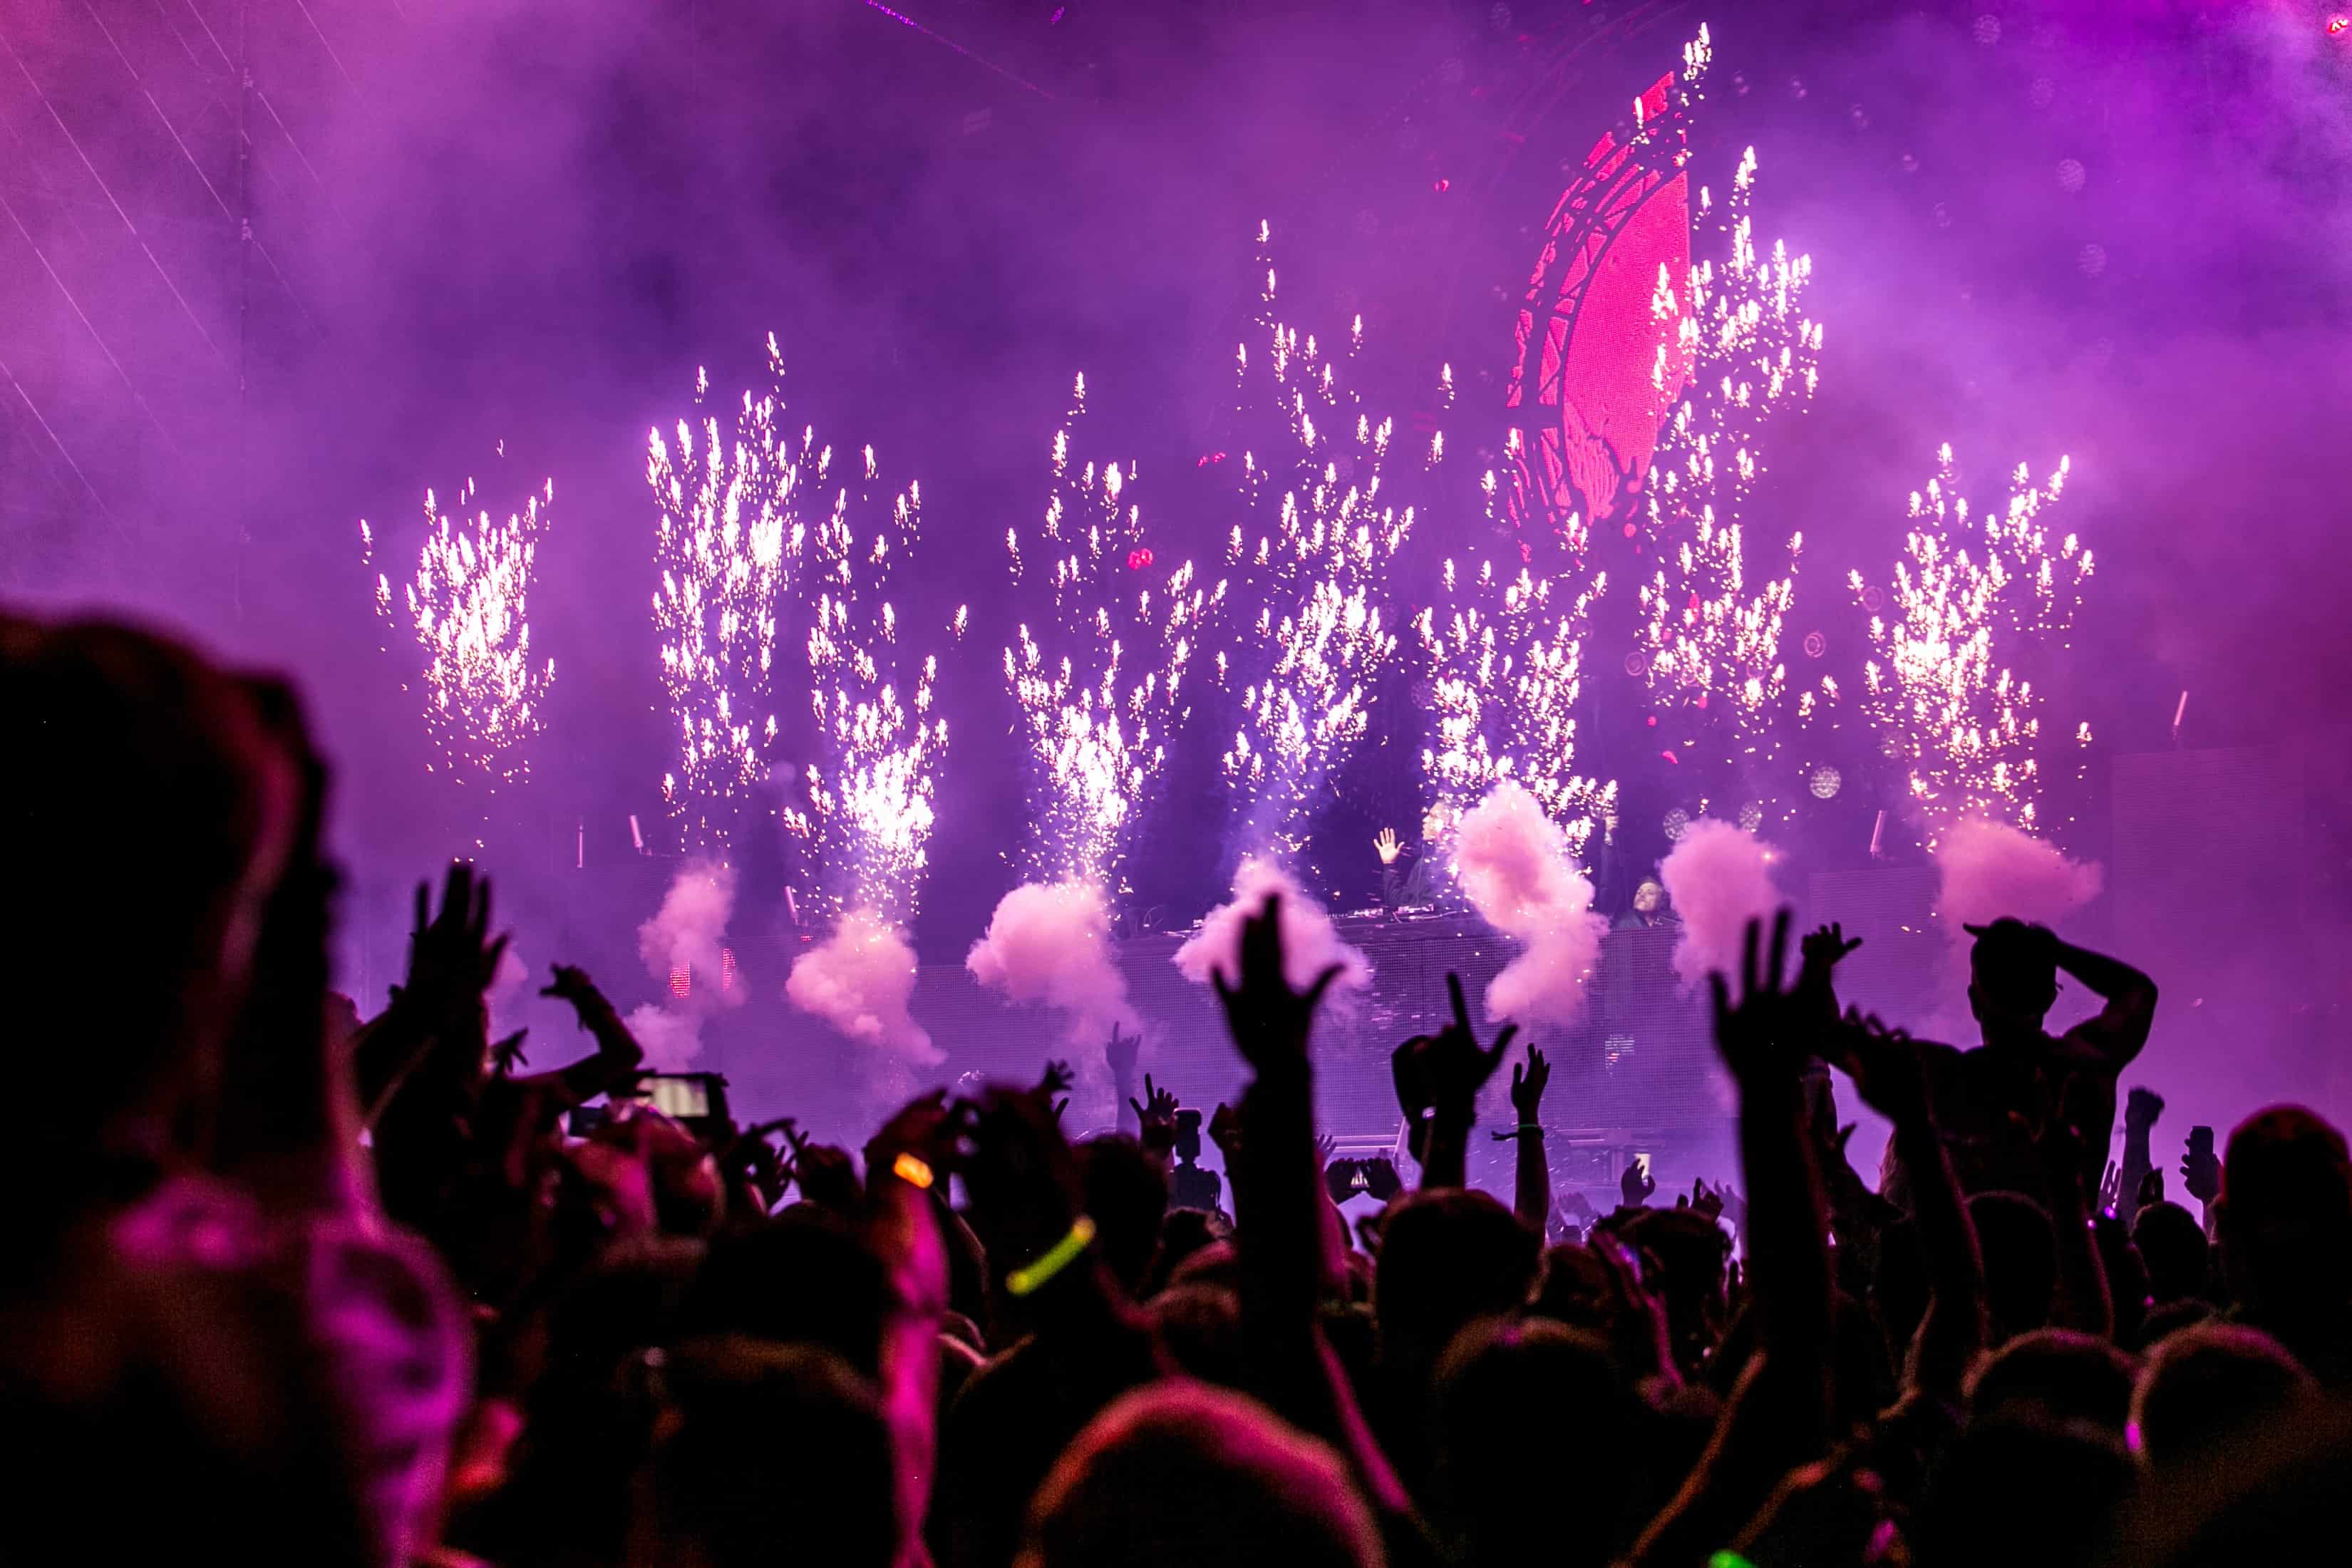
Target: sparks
1506	662
870	793
728	524
1711	638
1098	673
1311	562
1948	707
469	608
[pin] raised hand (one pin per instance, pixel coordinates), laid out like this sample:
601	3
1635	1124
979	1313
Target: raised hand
1269	1020
1756	1038
1706	1200
1386	845
1340	1179
1380	1178
1826	947
2151	1191
1121	1053
452	957
1886	1065
1453	1066
572	984
1056	1079
506	1054
2142	1107
1527	1084
1637	1184
2111	1184
1155	1114
1225	1131
2200	1168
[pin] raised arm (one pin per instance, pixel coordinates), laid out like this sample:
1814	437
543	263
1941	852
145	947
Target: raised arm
618	1056
1120	1055
1437	1082
1285	1359
2141	1108
1889	1071
1531	1189
1780	1415
903	1163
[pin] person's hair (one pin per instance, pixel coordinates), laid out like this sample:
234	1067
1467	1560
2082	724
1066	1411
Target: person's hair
1183	1232
2206	1385
2012	971
770	1452
1126	1195
1178	1474
2173	1246
1502	1387
804	1278
140	800
1447	1258
2286	1211
1200	1328
2055	1374
2021	1493
2020	1260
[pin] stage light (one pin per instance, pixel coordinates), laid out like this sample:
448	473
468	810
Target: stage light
1825	782
681	981
1751	816
1677	824
726	969
2071	175
1816	644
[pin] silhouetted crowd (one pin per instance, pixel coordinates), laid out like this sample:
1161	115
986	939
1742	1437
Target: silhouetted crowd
287	1285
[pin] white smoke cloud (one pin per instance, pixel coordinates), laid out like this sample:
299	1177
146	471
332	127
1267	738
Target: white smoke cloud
510	977
1990	869
690	930
1050	942
1310	942
1719	877
860	980
670	1040
1513	863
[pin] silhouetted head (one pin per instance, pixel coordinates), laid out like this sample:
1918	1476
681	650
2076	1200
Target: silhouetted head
1126	1195
2286	1221
147	799
767	1453
2207	1386
804	1278
2013	977
2022	1494
2172	1245
2055	1374
1447	1258
1500	1459
1178	1474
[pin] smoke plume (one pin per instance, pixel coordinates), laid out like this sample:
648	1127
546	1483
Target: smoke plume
860	980
671	1040
1310	942
690	931
1988	869
1720	877
1050	942
1512	862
